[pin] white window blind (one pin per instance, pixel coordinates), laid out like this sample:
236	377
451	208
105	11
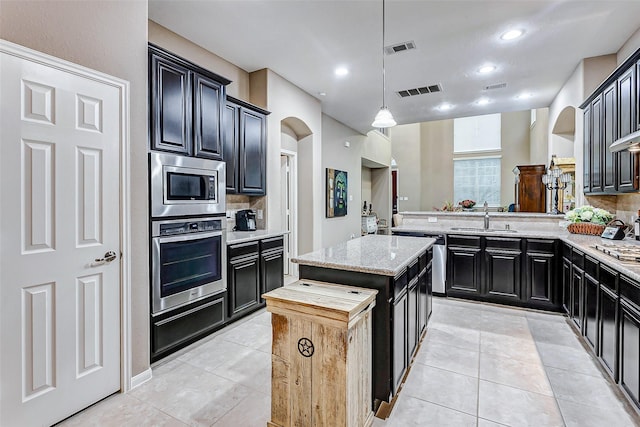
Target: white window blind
477	179
478	133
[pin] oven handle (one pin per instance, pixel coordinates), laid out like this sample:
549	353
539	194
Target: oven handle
189	236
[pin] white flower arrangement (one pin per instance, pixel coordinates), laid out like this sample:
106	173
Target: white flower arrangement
589	214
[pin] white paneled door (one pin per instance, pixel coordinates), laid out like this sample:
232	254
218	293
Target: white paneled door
60	135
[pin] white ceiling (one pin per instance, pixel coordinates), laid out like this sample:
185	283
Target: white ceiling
304	40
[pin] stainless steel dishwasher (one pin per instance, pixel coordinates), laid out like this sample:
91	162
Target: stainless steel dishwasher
439	266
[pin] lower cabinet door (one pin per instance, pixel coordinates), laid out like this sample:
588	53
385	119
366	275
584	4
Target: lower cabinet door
503	273
463	271
399	340
272	270
577	284
566	286
423	301
243	284
412	318
630	351
429	290
540	273
608	331
590	327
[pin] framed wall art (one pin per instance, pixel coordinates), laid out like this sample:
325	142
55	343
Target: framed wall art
336	193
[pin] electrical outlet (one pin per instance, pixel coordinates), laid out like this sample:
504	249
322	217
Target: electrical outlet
260	216
432	219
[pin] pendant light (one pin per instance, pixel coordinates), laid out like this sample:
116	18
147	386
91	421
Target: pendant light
384	118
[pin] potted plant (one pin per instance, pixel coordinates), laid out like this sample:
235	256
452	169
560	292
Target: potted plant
588	220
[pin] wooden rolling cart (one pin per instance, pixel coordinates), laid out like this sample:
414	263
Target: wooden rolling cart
321	355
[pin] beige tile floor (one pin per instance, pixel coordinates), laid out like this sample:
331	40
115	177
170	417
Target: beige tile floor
479	365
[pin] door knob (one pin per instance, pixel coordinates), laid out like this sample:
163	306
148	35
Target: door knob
108	257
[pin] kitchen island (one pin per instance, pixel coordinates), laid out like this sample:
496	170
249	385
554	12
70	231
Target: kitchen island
399	268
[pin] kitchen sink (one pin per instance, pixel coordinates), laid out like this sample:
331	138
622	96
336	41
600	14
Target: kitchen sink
482	230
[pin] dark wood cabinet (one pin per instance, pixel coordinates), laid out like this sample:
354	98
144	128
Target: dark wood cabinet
464	260
170	106
178	328
611	112
244	147
540	274
596	184
208	98
531	193
586	149
412	317
424	297
253	268
566	286
590	326
609	134
399	339
577	286
503	273
627	123
243	279
185	106
607	348
630	350
271	263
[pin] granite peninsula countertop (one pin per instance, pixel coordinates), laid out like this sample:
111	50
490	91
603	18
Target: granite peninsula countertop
374	253
247	236
582	242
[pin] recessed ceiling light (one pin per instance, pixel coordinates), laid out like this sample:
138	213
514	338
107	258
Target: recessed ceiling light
511	34
485	69
482	101
445	107
341	71
525	95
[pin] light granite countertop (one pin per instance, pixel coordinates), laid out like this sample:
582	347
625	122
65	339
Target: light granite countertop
438	228
247	236
374	253
584	243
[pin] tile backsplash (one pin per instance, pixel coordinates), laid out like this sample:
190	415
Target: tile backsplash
237	202
625	206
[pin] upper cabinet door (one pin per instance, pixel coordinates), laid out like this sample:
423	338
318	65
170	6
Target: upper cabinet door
596	145
230	142
208	96
627	106
587	150
170	106
609	132
253	176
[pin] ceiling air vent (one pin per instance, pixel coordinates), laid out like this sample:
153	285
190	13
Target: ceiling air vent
496	86
419	90
401	47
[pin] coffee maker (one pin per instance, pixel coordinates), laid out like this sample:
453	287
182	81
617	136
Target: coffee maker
245	220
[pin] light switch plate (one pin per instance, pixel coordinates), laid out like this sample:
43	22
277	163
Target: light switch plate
432	219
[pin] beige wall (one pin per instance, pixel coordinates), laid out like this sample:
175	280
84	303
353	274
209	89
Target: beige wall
539	138
629	48
336	156
406	150
436	173
515	150
111	37
174	43
425	167
285	100
365	186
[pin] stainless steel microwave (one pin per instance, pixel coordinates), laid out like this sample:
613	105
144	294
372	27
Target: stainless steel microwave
186	186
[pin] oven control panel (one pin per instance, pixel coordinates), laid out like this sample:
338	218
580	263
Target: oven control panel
185	227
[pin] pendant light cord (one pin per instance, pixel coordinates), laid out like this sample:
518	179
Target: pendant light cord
384	79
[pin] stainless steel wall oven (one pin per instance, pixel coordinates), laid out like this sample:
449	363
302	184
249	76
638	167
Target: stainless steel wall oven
188	261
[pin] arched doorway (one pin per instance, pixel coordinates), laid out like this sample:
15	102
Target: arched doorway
296	192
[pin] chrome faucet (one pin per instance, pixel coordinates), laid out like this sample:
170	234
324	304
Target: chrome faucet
486	215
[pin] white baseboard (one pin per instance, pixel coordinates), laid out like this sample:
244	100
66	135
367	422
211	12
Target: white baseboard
141	378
